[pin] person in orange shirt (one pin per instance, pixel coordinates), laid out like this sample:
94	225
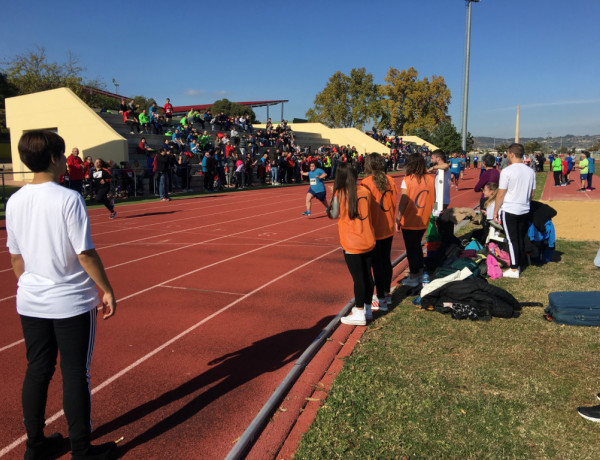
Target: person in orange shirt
383	216
414	211
352	204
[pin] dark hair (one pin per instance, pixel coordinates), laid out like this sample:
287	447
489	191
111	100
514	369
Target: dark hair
517	150
489	160
345	186
586	153
37	148
416	166
440	154
375	165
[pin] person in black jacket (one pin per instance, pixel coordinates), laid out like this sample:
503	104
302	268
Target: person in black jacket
102	178
162	171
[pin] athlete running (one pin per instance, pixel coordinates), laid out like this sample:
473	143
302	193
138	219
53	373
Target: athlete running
317	188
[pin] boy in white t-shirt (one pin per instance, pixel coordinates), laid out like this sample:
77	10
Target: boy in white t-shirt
57	268
515	191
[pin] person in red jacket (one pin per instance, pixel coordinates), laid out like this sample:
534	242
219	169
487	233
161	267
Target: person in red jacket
565	171
76	170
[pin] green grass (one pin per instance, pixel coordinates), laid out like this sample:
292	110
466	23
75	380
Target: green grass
422	385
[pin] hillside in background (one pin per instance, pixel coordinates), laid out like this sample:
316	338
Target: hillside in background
569	141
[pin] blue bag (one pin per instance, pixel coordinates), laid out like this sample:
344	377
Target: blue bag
577	308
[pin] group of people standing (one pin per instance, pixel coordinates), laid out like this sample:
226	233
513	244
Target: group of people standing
563	166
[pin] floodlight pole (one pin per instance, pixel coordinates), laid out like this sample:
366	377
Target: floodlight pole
466	82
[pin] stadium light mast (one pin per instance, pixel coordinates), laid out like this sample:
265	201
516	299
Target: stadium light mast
116	86
466	82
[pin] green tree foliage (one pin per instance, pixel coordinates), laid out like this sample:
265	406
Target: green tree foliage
595	147
446	137
502	148
7	89
533	146
411	104
232	108
347	101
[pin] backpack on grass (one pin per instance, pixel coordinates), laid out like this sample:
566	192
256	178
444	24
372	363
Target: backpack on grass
577	308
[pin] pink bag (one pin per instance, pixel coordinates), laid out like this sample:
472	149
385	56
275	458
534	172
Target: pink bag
499	253
493	268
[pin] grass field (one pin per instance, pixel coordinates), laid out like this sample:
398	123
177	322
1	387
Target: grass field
422	385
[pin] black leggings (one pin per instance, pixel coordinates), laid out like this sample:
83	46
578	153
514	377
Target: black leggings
414	251
44	338
382	266
515	228
359	266
101	197
556	177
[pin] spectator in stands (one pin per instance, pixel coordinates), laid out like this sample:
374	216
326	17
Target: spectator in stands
132	107
176	138
130	120
168	108
76	169
208	172
240	173
122	107
144	122
515	191
274	165
261	169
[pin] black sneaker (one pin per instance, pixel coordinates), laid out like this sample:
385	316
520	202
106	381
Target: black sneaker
106	451
590	413
49	448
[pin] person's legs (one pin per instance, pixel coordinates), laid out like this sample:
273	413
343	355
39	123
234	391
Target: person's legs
359	266
589	180
515	228
162	185
102	197
309	197
382	266
556	178
75	337
274	174
414	251
41	351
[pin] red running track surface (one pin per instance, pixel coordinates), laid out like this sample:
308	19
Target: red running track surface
217	297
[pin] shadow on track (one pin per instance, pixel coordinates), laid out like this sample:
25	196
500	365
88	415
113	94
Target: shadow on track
230	371
148	214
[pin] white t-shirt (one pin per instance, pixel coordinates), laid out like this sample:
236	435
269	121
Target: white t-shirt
48	225
519	182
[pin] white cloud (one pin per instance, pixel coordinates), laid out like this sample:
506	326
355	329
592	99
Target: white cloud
193	92
222	93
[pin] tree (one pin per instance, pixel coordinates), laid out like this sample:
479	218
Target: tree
32	72
7	89
595	147
347	101
232	108
412	104
446	137
502	148
533	146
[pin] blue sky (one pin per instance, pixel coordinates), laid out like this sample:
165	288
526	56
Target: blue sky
541	54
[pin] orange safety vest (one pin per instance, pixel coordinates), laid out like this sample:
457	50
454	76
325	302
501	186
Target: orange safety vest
383	207
356	236
421	197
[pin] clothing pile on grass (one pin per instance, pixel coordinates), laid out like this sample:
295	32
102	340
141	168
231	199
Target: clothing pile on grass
459	268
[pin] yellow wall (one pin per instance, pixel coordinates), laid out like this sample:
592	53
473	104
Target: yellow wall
349	136
73	119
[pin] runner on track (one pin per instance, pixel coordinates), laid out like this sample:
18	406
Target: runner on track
455	165
317	188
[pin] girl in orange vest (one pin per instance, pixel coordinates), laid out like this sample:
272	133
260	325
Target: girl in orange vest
383	216
416	204
352	203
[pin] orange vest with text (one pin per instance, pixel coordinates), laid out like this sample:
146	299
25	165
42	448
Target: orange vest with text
421	197
356	235
383	207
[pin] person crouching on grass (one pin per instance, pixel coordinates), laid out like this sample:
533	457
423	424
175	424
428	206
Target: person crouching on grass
317	188
383	215
351	204
57	267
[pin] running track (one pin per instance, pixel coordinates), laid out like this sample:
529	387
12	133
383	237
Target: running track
217	297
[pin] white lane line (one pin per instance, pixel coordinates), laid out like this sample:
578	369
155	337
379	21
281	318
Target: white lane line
210	241
8	298
201	290
14	344
146	357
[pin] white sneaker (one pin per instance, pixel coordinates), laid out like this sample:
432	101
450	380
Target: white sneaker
356	318
511	273
383	305
375	303
411	282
